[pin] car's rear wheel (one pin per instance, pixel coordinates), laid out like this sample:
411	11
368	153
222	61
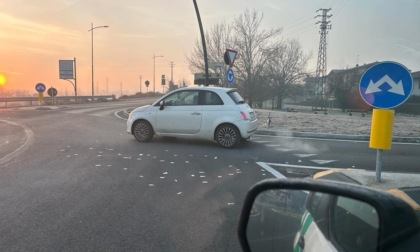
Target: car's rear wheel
143	131
227	136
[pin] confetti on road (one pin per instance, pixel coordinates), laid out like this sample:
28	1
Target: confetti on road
98	165
165	173
205	182
192	175
162	160
231	204
215	157
63	150
127	157
125	169
179	193
141	176
162	177
151	185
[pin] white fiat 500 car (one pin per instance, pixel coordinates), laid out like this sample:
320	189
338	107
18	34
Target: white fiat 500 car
212	113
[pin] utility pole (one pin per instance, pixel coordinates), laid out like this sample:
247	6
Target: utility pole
121	89
171	83
140	77
321	66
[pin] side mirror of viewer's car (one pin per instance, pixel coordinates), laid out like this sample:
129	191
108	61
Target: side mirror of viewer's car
316	215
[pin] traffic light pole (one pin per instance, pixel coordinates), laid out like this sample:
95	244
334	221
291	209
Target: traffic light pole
203	39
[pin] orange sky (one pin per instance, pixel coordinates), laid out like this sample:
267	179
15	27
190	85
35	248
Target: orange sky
35	35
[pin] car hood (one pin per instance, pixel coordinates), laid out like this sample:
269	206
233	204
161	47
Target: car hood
140	109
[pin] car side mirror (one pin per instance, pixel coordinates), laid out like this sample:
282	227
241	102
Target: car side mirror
162	105
316	215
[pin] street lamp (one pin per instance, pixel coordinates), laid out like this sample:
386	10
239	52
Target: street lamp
154	72
91	30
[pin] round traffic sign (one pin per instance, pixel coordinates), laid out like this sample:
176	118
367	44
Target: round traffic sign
230	77
386	85
147	83
52	92
40	87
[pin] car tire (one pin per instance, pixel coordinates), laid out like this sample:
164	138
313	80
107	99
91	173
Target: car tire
227	136
143	131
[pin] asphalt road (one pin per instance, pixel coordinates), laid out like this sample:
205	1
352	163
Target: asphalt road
72	179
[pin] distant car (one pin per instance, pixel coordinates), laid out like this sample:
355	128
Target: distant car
211	113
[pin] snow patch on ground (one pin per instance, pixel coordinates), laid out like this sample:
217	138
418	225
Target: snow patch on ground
335	122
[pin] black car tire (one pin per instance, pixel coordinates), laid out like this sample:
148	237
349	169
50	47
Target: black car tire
228	136
143	131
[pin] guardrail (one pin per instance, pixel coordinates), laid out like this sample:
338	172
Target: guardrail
32	99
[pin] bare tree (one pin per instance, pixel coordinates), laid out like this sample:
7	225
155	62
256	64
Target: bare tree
217	40
286	69
254	45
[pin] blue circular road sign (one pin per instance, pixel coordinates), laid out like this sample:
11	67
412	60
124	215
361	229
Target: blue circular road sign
40	87
386	85
230	77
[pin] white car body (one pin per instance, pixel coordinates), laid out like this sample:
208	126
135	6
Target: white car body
196	117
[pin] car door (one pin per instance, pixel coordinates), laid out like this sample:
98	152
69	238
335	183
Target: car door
180	113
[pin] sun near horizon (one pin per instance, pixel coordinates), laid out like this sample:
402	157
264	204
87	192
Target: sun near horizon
2	80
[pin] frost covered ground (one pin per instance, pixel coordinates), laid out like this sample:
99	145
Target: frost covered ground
335	122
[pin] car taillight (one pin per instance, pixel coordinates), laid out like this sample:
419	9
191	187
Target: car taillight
243	115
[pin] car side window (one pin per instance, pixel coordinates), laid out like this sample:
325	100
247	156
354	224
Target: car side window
354	225
182	98
317	206
212	98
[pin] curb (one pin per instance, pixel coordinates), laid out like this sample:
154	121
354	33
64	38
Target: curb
332	136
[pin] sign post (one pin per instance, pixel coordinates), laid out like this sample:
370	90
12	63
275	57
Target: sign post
40	88
229	58
384	86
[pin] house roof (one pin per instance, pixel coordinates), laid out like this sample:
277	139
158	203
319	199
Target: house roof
353	69
416	74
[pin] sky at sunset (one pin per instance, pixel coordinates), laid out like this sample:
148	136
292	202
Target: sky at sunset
35	35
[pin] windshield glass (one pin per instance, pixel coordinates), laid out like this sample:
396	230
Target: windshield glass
140	125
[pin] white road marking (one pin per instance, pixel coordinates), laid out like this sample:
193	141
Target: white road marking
267	167
305	155
273	145
285	150
322	162
262	141
296	166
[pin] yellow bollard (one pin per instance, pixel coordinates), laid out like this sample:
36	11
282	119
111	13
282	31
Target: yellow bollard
381	131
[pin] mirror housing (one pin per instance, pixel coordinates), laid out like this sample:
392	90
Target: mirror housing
397	220
162	105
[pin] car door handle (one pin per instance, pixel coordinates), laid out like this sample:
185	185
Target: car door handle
195	113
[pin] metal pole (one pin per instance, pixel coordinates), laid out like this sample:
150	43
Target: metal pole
378	165
140	82
203	39
154	65
75	78
92	58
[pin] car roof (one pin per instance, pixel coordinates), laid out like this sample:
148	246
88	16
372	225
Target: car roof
402	185
214	88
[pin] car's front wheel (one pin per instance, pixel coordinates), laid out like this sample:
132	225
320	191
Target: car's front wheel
227	136
143	131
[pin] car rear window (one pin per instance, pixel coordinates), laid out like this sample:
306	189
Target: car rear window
237	98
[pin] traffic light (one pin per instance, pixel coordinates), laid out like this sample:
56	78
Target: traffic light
163	80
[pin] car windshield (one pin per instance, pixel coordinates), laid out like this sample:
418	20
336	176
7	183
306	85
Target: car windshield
240	91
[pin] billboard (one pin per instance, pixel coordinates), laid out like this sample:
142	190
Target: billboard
66	69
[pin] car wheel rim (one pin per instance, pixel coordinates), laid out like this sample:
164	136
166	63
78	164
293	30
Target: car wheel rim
141	131
227	136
